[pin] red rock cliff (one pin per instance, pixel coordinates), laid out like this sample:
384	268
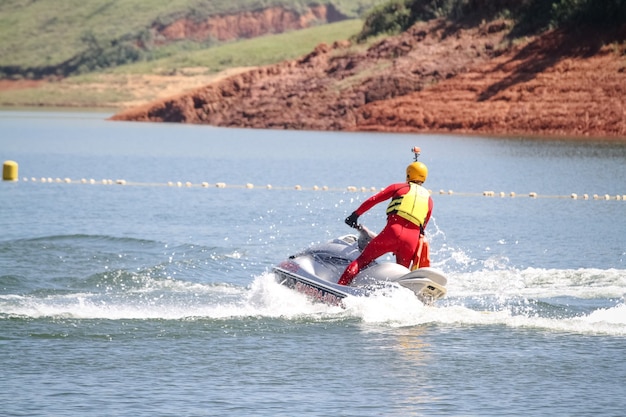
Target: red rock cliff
435	77
246	24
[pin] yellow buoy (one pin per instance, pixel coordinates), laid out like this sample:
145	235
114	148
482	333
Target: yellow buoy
9	171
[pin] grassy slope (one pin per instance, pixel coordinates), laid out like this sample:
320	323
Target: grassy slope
117	86
46	32
259	51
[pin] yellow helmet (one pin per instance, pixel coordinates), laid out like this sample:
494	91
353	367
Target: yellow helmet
416	171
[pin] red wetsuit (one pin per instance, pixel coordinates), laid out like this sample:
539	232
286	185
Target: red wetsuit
399	236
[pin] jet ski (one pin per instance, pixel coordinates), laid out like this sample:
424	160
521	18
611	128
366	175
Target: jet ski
316	270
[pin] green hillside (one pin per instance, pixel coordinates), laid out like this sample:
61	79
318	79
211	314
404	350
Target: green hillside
115	87
263	50
37	36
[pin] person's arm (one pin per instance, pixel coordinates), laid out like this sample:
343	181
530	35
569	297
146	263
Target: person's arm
381	196
386	194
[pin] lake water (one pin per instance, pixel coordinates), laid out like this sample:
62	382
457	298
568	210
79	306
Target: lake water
150	299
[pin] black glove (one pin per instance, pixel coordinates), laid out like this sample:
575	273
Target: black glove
351	220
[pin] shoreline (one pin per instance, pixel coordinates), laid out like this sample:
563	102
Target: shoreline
496	136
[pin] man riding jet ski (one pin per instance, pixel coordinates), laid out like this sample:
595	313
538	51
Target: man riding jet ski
407	216
346	265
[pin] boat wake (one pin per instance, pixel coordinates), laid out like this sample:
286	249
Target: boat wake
580	301
150	280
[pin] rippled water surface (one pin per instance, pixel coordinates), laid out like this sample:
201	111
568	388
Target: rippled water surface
155	299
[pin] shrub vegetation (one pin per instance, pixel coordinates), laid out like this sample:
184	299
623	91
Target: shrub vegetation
530	15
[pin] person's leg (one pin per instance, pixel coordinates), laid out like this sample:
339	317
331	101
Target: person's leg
381	244
406	245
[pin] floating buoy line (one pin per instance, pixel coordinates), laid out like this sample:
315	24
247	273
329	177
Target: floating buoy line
10	169
353	189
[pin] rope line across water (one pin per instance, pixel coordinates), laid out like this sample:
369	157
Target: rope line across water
187	184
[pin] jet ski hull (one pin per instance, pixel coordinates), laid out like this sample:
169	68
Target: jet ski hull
315	272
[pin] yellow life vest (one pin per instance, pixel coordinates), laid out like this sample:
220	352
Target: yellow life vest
412	206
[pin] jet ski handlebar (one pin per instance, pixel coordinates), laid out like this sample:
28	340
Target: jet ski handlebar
365	236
